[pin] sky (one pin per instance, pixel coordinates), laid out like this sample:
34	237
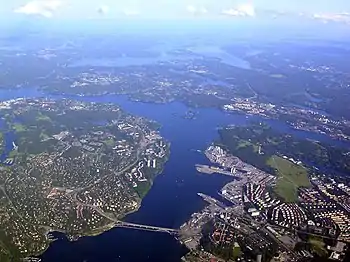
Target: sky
175	9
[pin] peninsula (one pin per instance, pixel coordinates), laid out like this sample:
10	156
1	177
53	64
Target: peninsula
73	167
278	207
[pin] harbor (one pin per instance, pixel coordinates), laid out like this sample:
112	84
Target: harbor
205	169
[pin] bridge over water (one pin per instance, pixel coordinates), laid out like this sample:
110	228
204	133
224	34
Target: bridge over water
171	231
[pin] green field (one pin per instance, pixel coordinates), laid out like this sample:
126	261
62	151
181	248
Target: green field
244	144
318	246
42	117
13	153
43	136
290	178
19	128
109	142
237	252
143	188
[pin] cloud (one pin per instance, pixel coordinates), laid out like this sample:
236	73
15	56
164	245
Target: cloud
103	10
196	10
340	18
231	12
247	10
45	8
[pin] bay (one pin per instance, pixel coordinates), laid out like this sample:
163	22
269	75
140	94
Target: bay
173	197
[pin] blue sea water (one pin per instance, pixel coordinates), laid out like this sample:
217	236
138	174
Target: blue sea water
173	197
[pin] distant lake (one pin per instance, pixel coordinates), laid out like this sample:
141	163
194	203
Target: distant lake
166	56
123	61
222	55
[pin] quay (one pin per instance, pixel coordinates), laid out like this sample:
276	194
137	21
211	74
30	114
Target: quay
213	170
212	200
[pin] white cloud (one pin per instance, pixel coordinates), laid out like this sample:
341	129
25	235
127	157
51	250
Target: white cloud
241	10
45	8
247	9
103	10
231	12
341	17
196	10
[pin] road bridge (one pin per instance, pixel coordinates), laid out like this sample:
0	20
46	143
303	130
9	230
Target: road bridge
171	231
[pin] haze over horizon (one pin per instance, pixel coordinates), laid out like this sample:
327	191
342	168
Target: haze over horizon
338	10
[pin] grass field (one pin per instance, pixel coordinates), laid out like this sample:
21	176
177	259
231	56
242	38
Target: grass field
109	142
143	188
13	153
291	177
43	136
237	252
19	128
245	143
42	117
318	246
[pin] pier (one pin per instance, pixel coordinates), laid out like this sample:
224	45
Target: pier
213	170
212	200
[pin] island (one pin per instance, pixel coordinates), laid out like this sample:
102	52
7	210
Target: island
72	167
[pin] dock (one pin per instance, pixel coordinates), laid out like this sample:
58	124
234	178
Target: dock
212	170
212	200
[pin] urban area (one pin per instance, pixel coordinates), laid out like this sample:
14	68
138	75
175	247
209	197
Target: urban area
252	218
